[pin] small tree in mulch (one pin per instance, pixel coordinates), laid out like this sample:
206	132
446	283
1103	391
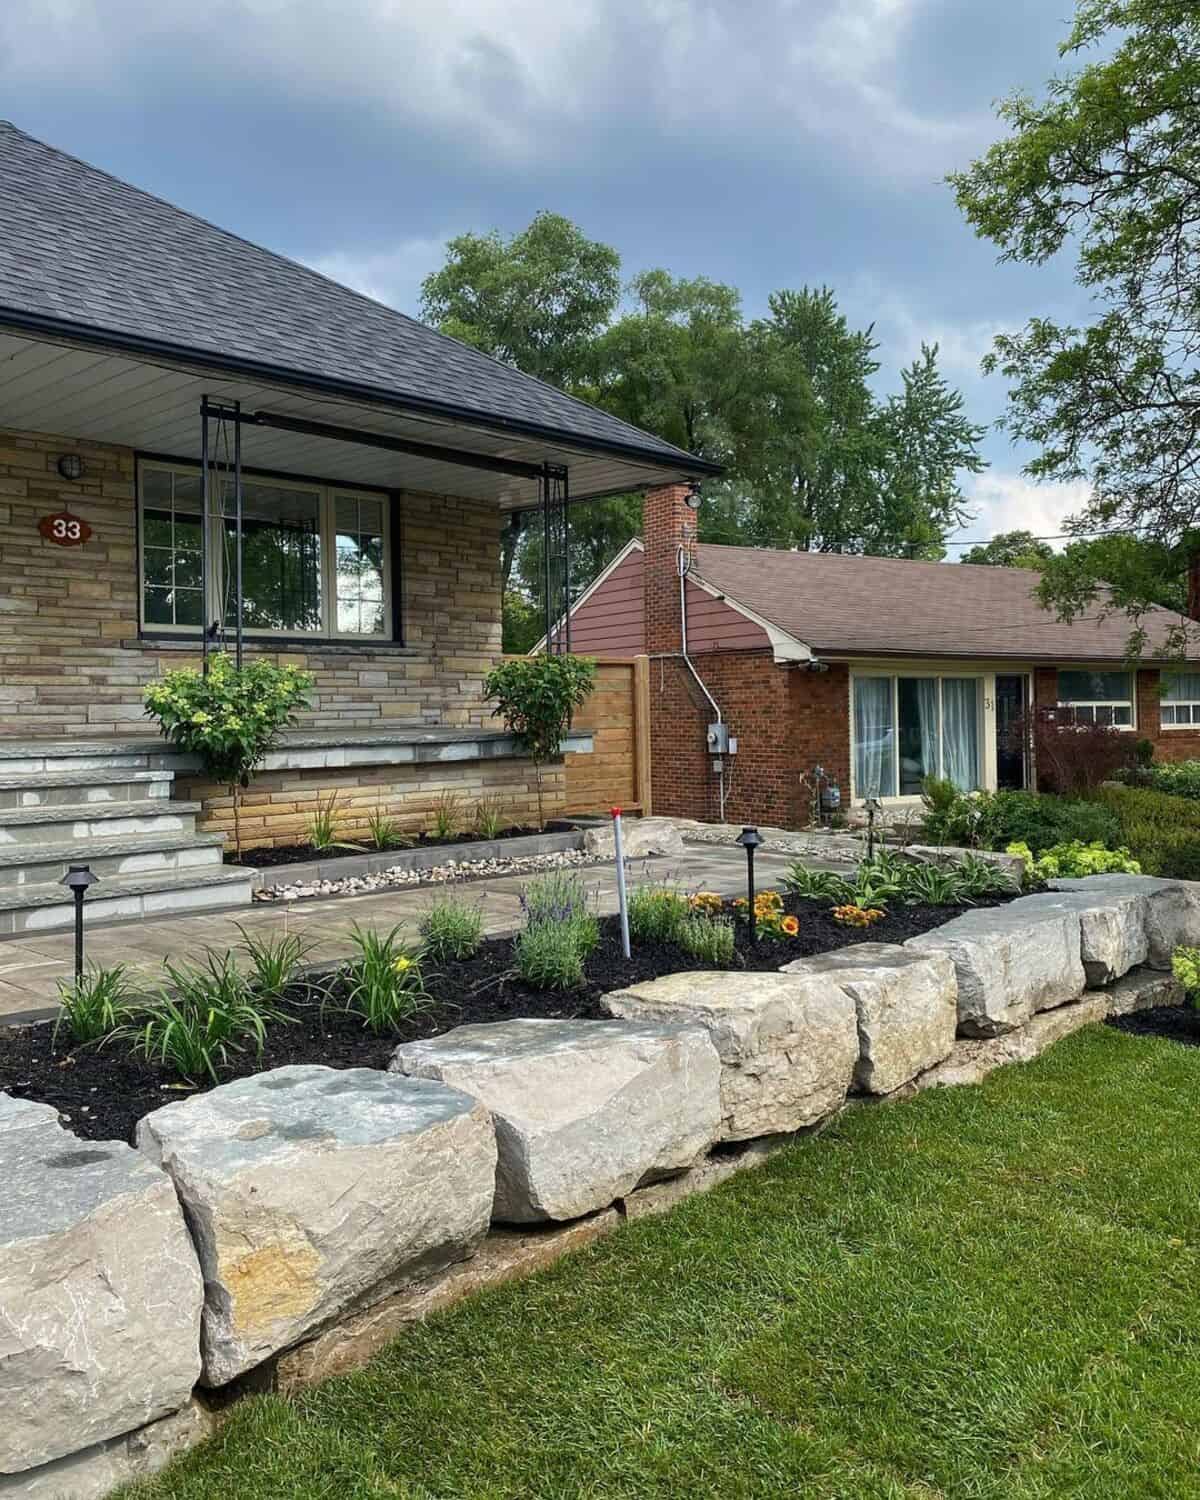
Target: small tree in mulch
230	719
1072	759
536	696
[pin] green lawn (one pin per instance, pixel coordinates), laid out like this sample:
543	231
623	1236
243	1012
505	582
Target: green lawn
981	1292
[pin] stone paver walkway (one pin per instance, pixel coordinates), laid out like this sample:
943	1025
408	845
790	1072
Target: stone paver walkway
31	968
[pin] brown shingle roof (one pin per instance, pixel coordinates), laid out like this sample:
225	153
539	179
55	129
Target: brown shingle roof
882	606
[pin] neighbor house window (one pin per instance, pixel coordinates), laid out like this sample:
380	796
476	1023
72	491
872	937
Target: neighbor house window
314	559
908	728
1096	697
1181	700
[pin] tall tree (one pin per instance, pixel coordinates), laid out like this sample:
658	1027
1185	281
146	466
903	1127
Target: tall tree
1011	549
1106	166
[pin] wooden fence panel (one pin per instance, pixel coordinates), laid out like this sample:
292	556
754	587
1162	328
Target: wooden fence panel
617	772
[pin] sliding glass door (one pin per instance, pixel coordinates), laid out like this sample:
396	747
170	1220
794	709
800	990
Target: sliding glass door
908	728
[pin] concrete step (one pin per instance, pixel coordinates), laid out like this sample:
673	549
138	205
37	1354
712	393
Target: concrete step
132	854
21	756
35	827
62	788
122	898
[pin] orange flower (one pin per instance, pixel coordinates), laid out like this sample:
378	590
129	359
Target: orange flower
791	926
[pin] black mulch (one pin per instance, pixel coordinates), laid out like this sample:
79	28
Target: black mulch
103	1091
1178	1023
264	858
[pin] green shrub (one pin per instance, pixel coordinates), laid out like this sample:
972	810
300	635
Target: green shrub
451	927
549	957
447	815
384	982
201	1015
993	820
536	696
657	913
490	817
560	899
1075	859
384	831
228	717
1160	831
97	1005
1180	779
707	939
1185	965
322	826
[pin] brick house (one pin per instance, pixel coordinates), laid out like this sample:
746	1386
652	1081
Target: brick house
878	670
205	445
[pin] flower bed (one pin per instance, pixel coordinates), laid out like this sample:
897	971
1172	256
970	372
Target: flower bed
103	1089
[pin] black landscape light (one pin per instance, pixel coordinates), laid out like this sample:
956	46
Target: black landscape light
77	879
874	807
750	839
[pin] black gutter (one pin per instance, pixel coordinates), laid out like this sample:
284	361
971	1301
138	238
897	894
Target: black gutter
417	405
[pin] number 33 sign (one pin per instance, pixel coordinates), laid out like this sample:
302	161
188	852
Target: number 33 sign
64	529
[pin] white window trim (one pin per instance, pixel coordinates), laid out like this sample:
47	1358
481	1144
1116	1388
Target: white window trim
1191	704
983	699
327	497
1094	703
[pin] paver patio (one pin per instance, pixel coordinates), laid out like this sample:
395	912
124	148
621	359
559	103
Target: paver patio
32	968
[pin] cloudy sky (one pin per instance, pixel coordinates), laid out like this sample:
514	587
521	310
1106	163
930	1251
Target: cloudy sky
767	143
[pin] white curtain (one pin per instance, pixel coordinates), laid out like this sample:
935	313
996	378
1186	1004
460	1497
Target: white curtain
874	738
927	714
960	732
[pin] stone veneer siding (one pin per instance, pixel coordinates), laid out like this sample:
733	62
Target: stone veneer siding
70	659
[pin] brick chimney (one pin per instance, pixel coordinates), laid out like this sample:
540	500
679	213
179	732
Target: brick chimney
1193	586
667	520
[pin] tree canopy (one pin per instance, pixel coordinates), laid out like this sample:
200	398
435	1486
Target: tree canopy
1011	549
787	403
1105	166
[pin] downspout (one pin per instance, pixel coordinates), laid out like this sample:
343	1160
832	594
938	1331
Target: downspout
681	564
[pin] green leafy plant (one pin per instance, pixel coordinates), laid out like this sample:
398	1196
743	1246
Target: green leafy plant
97	1005
1179	779
384	981
932	885
817	885
322	826
881	880
384	832
276	962
489	816
709	940
560	899
1070	861
230	718
447	815
1185	965
657	912
200	1015
451	927
549	957
536	696
979	878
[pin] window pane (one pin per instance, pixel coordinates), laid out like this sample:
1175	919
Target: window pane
1094	687
874	738
187	570
1086	715
156	564
158	607
960	732
281	560
1182	687
918	703
187	607
156	528
156	486
1167	714
1122	715
359	565
1104	713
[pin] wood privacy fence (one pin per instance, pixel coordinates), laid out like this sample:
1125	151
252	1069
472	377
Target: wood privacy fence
617	772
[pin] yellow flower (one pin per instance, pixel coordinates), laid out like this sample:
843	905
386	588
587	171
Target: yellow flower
791	926
402	964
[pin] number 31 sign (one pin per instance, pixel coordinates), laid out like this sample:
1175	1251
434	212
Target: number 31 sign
64	529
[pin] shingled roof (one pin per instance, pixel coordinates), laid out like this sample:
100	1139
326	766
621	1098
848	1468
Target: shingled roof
876	606
82	250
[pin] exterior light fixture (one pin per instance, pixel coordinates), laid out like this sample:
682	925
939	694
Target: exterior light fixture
693	497
70	466
77	879
874	808
750	839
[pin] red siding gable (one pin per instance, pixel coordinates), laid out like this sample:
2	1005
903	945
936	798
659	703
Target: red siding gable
611	621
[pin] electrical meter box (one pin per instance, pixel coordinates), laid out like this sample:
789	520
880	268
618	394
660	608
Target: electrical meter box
718	739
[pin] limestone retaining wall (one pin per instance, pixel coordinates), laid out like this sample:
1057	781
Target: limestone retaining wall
285	1227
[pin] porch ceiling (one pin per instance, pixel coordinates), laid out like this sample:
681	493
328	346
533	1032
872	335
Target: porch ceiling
153	405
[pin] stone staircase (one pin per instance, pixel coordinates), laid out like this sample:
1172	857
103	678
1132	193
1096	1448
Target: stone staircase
108	807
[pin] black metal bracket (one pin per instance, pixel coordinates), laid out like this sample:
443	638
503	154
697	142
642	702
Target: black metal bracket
556	558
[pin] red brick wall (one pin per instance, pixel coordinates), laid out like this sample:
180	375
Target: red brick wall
785	719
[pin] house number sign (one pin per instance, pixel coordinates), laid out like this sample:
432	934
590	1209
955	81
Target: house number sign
64	529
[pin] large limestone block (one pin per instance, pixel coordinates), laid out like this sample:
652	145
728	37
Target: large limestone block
1172	909
100	1292
907	1007
974	1058
1011	962
584	1110
640	837
1112	929
788	1044
310	1191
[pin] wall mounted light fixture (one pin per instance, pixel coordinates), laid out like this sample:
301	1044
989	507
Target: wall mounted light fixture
70	466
